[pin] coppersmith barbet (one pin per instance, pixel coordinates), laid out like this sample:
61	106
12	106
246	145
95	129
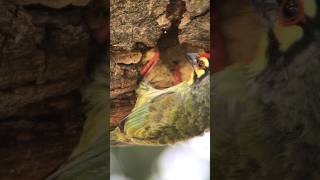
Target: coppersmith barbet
162	117
267	120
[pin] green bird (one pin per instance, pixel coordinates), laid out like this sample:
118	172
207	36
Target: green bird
166	116
90	159
267	113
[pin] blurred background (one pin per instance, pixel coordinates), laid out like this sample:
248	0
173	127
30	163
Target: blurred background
182	161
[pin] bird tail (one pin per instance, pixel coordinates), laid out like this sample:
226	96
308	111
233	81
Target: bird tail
117	138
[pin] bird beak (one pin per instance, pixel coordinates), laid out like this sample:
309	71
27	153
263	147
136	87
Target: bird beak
191	57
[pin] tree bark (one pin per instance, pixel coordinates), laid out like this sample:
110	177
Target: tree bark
45	50
138	29
48	47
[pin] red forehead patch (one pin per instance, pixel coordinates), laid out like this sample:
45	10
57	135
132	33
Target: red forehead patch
205	55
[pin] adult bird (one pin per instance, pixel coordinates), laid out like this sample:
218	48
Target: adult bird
165	116
266	113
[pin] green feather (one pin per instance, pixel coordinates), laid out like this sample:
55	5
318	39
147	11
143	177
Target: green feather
163	117
266	113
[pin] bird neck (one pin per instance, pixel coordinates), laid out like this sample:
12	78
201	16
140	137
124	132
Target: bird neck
192	78
197	76
260	60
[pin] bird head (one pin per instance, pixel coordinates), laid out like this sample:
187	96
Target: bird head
200	65
289	58
293	29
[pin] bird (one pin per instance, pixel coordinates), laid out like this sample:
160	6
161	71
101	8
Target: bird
166	116
90	157
266	112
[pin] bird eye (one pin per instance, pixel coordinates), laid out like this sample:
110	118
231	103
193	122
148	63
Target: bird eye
290	9
200	64
291	12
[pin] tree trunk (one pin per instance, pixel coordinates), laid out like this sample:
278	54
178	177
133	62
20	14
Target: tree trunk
48	47
139	29
44	54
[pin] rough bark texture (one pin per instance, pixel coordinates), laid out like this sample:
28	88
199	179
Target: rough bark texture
139	29
44	51
195	24
46	48
53	4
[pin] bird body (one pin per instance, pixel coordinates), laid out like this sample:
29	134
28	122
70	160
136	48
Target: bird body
267	113
166	116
